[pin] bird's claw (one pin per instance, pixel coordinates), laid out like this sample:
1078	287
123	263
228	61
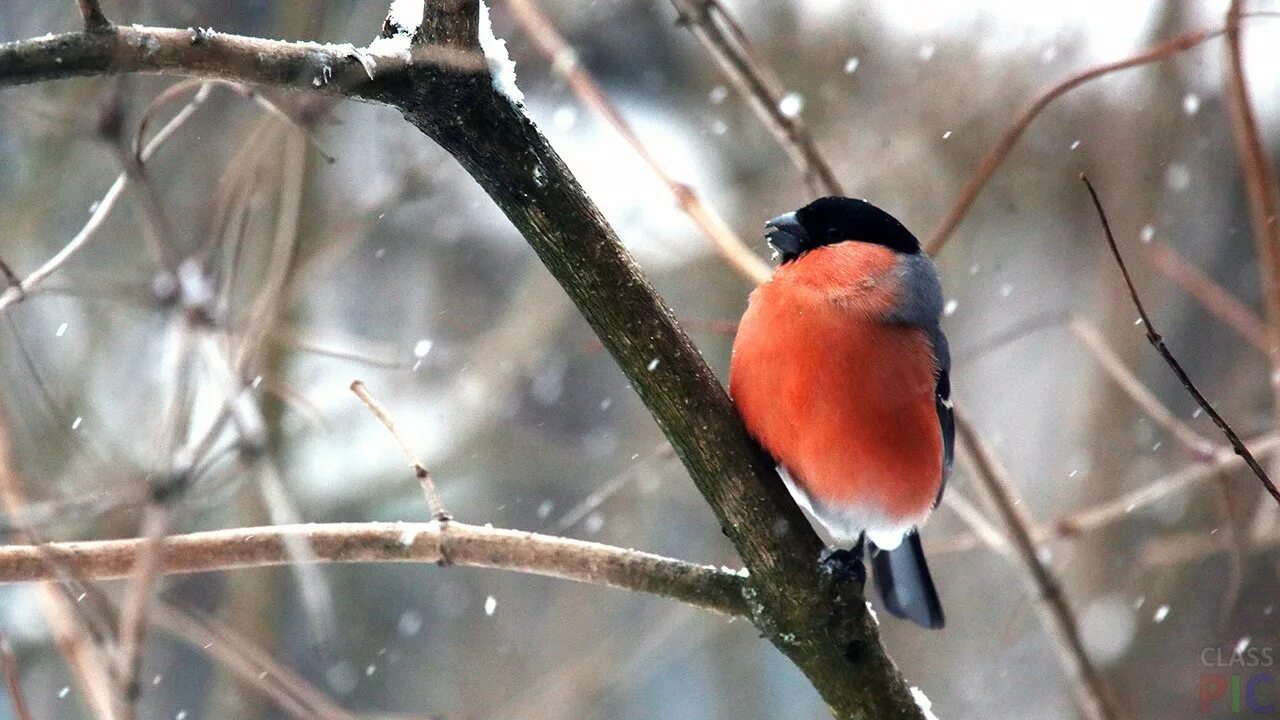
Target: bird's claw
844	565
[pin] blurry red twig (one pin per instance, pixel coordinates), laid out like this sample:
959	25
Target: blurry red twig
1217	301
722	37
564	60
998	152
990	479
1260	184
1158	343
13	680
420	471
91	11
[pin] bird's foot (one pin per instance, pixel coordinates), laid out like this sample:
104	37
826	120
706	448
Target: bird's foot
844	565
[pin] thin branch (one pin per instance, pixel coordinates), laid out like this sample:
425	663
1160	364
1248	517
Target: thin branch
990	479
13	680
94	19
1200	447
1157	342
998	152
722	37
1124	505
565	62
464	545
1080	523
1197	545
1260	184
72	624
20	291
983	530
1211	296
420	471
251	664
332	69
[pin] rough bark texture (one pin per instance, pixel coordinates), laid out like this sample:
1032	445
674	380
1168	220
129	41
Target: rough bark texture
822	625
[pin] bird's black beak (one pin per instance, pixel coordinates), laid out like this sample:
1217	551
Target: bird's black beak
786	236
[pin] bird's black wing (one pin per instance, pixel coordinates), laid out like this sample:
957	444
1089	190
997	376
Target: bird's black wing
942	399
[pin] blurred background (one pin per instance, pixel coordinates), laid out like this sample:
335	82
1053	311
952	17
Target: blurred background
388	264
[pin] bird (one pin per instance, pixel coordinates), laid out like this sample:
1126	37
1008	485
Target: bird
841	372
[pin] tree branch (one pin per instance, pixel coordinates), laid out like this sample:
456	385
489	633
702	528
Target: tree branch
991	480
339	69
722	37
1260	185
13	680
91	12
1157	342
450	543
998	152
819	623
564	60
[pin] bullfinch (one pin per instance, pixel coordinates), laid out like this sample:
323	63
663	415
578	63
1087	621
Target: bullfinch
840	371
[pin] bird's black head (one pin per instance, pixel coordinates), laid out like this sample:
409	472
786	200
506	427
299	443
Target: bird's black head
830	220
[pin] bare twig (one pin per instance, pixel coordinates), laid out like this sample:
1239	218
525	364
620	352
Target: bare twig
565	62
13	680
983	530
722	37
463	545
1260	181
251	664
1085	521
137	604
1260	185
1158	343
72	624
998	152
32	282
420	471
1196	545
94	19
1211	296
1200	447
1119	507
990	479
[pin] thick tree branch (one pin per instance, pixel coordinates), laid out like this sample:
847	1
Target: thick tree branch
820	624
449	543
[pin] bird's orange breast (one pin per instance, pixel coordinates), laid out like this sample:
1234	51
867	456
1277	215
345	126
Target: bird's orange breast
840	398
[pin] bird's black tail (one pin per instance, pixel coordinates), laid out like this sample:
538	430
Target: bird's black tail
906	588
